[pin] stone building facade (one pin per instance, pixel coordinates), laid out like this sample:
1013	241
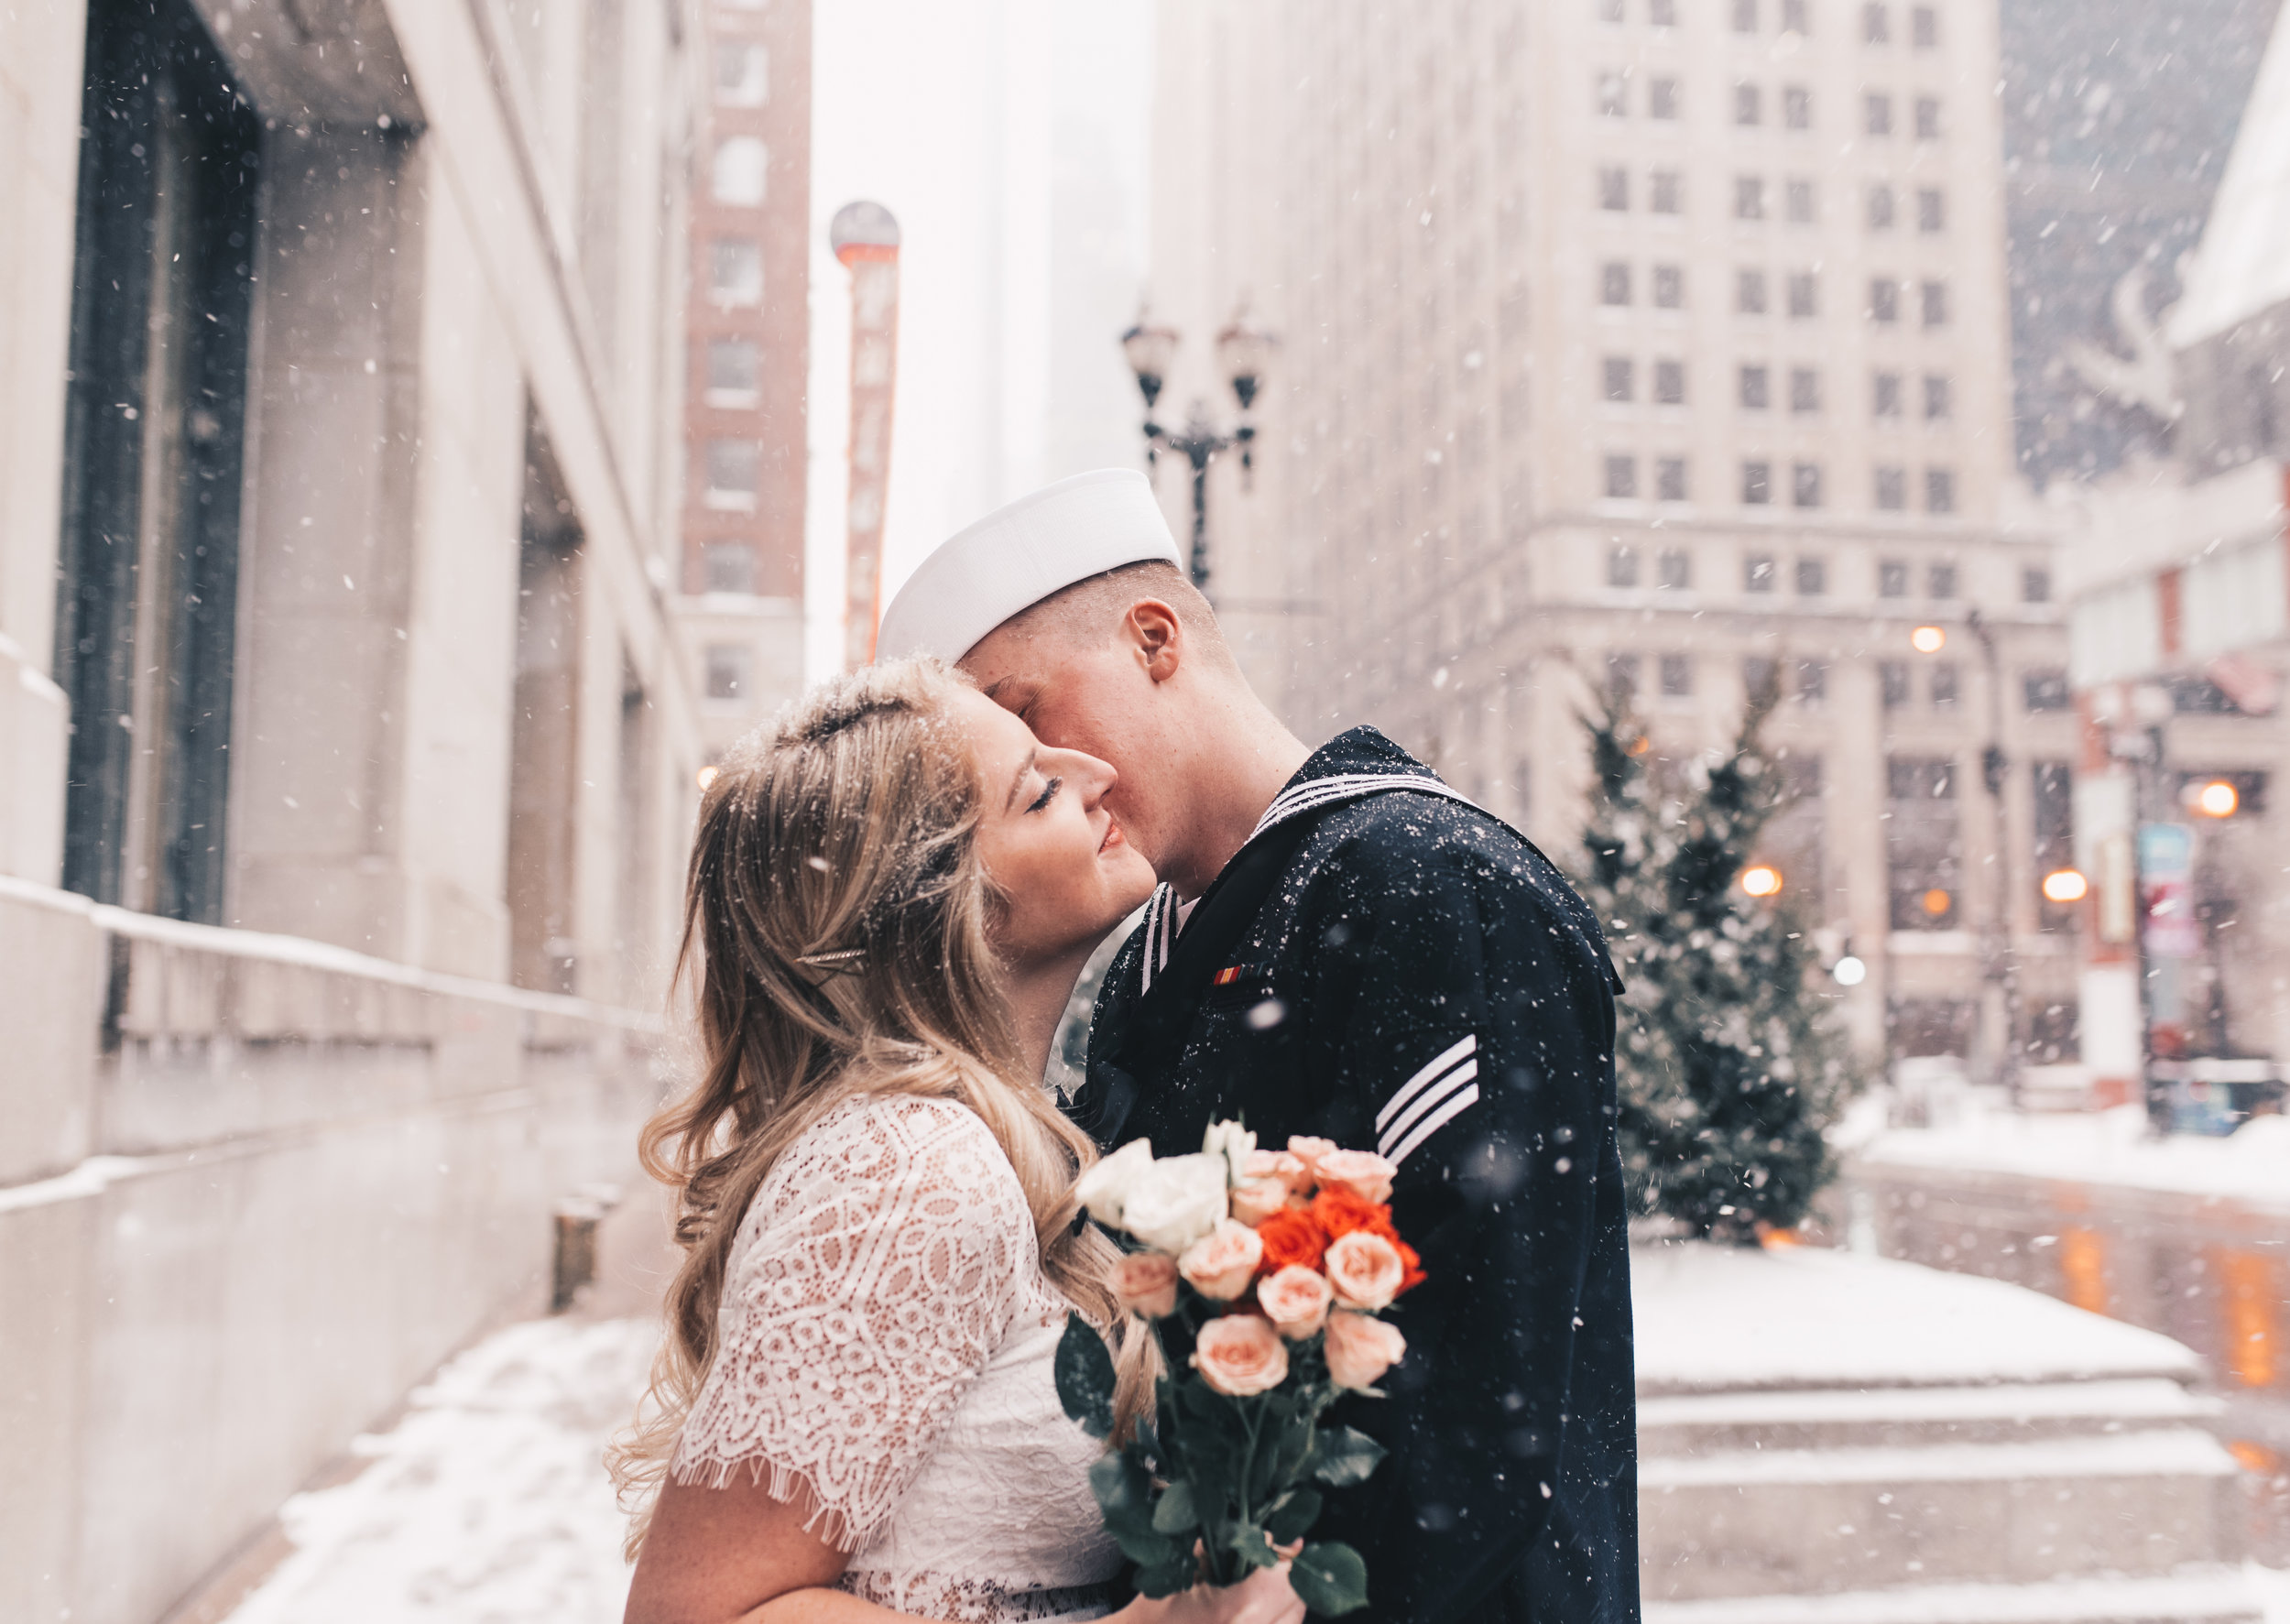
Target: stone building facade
1662	344
345	760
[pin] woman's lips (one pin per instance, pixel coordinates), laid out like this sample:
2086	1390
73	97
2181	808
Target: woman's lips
1113	836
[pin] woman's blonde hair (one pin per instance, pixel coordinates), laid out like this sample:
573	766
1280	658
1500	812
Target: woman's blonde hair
835	943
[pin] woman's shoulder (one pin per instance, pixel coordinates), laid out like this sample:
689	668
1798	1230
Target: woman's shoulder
892	1159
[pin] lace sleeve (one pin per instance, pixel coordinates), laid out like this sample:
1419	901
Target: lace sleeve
874	1274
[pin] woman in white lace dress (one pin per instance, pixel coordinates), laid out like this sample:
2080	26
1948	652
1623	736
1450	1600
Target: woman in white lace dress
854	1417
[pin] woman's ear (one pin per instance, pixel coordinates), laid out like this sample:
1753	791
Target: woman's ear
1158	636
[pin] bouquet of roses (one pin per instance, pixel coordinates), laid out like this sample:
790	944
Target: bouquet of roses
1260	1274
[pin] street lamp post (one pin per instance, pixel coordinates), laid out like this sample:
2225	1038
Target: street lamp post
1243	350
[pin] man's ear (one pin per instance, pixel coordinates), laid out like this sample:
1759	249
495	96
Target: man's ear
1157	636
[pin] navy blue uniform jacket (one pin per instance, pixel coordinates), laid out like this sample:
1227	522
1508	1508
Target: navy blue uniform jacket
1398	970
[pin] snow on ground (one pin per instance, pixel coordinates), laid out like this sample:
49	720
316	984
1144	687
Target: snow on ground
486	1504
2251	1165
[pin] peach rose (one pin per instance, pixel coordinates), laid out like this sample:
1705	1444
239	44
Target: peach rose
1363	1172
1146	1283
1258	1200
1308	1150
1284	1165
1221	1263
1295	1300
1364	1269
1361	1348
1238	1354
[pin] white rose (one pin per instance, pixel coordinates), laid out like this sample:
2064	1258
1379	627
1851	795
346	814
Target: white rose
1104	1189
1235	1143
1176	1201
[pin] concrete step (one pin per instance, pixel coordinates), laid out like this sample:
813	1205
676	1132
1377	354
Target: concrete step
1704	1423
2199	1596
1806	1521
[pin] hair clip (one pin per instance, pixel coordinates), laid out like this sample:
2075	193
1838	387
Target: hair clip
847	960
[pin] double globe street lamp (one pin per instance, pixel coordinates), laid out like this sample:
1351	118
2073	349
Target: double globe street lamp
1244	350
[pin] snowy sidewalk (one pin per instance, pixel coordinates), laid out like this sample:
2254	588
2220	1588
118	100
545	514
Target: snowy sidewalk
487	1503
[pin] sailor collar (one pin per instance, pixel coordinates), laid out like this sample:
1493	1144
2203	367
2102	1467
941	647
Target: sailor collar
1354	764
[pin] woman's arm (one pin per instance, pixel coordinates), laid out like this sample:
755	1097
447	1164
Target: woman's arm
735	1555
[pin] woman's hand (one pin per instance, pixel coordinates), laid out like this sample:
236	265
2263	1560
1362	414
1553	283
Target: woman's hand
1263	1597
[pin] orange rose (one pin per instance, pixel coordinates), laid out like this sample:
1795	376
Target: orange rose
1361	1348
1221	1263
1295	1300
1291	1238
1308	1150
1258	1200
1365	1269
1239	1354
1363	1172
1146	1283
1284	1165
1340	1212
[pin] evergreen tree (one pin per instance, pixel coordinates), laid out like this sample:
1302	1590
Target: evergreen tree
1730	1064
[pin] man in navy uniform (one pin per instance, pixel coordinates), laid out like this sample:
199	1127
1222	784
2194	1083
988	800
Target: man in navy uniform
1344	946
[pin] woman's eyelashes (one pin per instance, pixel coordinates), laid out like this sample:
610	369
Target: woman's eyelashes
1049	792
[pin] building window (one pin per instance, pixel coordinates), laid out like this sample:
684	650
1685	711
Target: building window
1758	574
743	75
1675	570
1796	107
736	271
1805	294
1892	578
1884	301
2035	586
738	175
1669	287
1755	389
1924	28
1884	396
1805	390
1880	208
1669	192
1621	674
1876	24
732	468
1940	582
1614	189
1613	95
731	372
1663	14
1670	382
1936	401
1757	483
1760	677
1877	112
1892	496
1622	477
1893	684
1931	209
1801	206
1805	486
1939	490
1620	377
2046	690
1749	104
730	671
1923	854
1748	292
1748	197
1621	566
1928	118
1745	16
1792	17
1677	676
728	566
1610	11
1935	304
1670	479
1661	99
1614	283
1948	680
1813	681
1813	577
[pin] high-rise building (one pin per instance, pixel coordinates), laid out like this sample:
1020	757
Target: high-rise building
1660	344
740	612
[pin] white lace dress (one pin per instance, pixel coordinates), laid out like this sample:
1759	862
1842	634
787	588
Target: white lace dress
886	1339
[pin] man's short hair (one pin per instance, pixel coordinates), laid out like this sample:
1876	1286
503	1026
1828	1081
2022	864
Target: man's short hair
1095	606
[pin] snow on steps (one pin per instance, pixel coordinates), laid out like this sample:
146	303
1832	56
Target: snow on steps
1829	1437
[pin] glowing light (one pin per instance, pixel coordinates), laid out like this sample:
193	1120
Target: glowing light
1850	971
1765	880
1928	639
2216	799
706	775
1936	901
2067	884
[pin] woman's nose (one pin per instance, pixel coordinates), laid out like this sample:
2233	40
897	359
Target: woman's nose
1096	778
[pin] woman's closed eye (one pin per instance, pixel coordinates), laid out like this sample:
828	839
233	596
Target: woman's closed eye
1049	792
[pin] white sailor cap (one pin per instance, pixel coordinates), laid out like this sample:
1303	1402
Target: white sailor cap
1018	555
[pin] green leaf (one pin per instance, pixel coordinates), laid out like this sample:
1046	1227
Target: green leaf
1345	1455
1249	1544
1174	1514
1125	1494
1292	1519
1147	1550
1166	1578
1084	1377
1330	1578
